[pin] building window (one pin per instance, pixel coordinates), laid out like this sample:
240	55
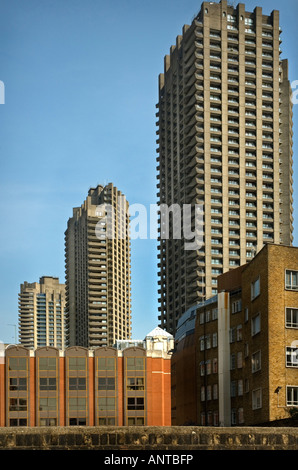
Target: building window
292	396
17	404
47	383
135	383
106	421
138	421
47	404
255	288
77	363
48	422
77	421
256	361
17	363
240	416
106	363
18	383
291	280
292	317
47	363
239	360
257	399
77	403
256	324
135	363
233	388
236	306
106	383
246	314
106	403
135	403
239	333
77	383
233	361
292	356
214	314
18	422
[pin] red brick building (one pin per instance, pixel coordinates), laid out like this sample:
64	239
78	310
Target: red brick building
128	384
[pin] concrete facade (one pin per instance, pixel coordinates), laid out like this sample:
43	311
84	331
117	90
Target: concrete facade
97	263
224	142
42	313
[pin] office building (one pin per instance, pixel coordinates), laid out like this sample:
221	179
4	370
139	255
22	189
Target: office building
42	313
97	261
225	144
125	385
244	347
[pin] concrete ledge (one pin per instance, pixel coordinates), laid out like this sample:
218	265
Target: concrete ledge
148	438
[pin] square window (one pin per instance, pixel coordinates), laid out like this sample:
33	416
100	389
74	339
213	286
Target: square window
292	317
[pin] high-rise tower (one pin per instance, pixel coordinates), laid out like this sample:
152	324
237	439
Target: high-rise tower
41	313
225	142
97	258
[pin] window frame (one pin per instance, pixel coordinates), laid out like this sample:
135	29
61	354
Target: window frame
253	362
291	324
289	286
254	295
254	399
255	331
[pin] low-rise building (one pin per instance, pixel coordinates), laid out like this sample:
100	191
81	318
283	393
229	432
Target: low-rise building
244	346
79	386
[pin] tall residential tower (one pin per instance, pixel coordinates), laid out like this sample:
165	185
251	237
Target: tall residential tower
97	260
224	142
41	313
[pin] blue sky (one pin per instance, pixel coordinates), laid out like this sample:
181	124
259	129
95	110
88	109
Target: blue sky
81	84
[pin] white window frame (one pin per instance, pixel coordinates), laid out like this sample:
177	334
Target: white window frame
291	324
290	286
292	353
292	402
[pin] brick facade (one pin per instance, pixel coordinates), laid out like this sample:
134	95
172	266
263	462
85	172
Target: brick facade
246	343
79	386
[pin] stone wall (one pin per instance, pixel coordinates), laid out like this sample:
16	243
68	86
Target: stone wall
190	438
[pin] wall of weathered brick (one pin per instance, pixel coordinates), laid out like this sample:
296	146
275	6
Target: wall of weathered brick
188	438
